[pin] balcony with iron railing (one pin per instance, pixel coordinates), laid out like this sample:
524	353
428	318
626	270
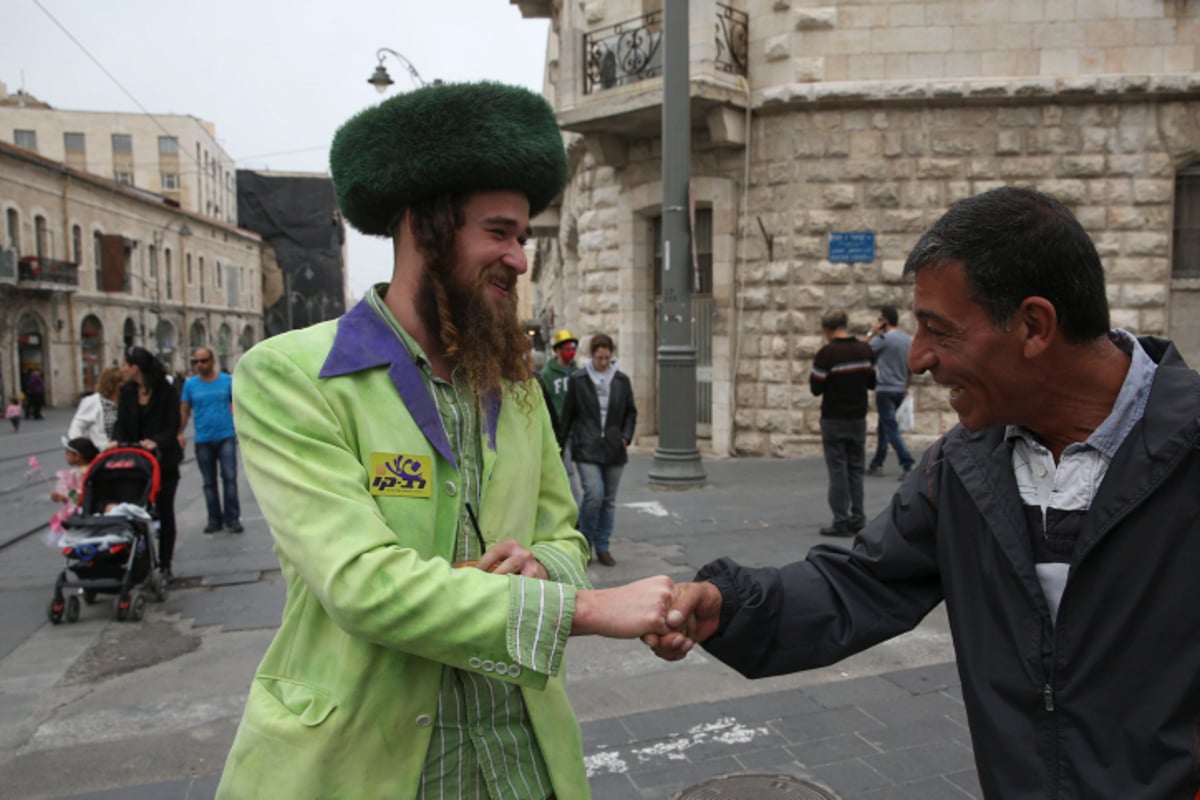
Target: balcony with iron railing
43	274
610	88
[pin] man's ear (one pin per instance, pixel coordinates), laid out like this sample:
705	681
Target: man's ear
1038	323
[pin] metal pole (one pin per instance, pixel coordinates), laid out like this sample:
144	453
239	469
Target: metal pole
676	459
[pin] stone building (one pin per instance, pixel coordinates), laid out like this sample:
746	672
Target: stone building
89	266
815	124
173	155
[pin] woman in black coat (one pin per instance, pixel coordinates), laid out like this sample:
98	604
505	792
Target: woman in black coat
598	419
148	416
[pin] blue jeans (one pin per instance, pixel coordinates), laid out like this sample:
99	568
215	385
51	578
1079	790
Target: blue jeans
600	483
889	431
208	456
845	443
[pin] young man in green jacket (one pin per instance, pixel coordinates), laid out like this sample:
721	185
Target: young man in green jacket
554	377
400	442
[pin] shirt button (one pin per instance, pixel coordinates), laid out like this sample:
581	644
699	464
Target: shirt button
424	721
474	663
489	665
1041	470
450	488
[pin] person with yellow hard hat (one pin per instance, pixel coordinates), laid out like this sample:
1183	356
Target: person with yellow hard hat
554	377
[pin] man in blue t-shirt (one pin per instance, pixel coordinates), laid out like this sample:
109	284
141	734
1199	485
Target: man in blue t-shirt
210	393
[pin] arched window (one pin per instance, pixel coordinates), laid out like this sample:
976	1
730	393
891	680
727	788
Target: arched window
14	229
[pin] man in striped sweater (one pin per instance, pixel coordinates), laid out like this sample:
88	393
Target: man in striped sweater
843	371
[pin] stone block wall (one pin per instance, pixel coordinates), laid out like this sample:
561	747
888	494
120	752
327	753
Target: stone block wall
1109	150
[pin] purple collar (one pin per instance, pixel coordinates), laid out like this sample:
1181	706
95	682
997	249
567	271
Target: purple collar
364	341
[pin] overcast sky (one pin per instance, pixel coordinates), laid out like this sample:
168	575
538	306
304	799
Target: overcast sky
276	78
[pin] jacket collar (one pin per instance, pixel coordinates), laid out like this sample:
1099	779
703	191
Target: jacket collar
364	341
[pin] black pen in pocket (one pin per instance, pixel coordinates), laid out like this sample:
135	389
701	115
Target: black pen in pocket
475	527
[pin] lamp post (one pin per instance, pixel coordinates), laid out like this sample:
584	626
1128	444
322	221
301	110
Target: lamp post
676	460
380	78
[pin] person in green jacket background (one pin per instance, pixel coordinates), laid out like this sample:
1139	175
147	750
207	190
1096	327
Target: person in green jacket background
410	475
554	377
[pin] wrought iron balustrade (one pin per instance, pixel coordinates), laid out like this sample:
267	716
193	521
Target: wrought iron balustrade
733	36
631	51
627	52
47	270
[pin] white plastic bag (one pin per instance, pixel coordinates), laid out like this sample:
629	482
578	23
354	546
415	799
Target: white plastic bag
904	414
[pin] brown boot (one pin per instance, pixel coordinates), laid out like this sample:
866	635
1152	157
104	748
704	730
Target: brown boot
605	558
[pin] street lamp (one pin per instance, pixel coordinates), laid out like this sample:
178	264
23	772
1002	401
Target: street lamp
380	78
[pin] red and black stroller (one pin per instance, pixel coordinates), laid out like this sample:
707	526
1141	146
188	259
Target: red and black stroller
109	541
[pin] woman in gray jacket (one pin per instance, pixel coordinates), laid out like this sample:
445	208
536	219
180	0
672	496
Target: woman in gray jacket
598	419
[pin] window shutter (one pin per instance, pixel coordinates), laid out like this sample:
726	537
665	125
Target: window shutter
112	255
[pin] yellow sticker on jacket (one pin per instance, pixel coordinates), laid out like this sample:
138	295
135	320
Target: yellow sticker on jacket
399	475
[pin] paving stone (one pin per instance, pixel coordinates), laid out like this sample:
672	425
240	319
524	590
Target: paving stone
915	708
928	789
685	773
968	781
614	787
923	680
850	779
824	724
914	763
835	748
775	705
855	691
771	760
894	737
169	790
605	733
746	738
204	788
670	721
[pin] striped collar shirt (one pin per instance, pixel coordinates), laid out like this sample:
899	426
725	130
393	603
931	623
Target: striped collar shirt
483	745
1056	497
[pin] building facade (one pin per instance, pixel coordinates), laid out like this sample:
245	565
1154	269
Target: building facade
173	155
818	124
90	266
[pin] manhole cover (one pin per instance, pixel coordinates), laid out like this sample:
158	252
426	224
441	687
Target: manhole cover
756	787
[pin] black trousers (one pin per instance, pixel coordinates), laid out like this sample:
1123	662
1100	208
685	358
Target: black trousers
165	505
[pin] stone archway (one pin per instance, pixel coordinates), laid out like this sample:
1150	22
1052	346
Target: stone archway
198	337
91	350
32	355
166	342
224	340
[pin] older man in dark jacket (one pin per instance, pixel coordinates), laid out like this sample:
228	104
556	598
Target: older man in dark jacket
1057	522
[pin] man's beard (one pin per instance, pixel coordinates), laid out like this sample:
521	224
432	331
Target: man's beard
487	344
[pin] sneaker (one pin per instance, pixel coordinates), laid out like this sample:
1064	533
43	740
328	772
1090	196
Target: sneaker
235	528
875	472
837	529
211	528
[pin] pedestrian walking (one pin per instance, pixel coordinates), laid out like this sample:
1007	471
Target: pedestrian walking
35	393
890	345
1056	522
554	378
148	416
842	373
13	413
209	394
96	416
599	417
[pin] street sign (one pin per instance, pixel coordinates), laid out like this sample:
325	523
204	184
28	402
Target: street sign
852	247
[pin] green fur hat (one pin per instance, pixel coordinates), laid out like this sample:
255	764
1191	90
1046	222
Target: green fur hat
460	137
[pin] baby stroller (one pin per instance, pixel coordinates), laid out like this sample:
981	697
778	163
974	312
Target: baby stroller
108	542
